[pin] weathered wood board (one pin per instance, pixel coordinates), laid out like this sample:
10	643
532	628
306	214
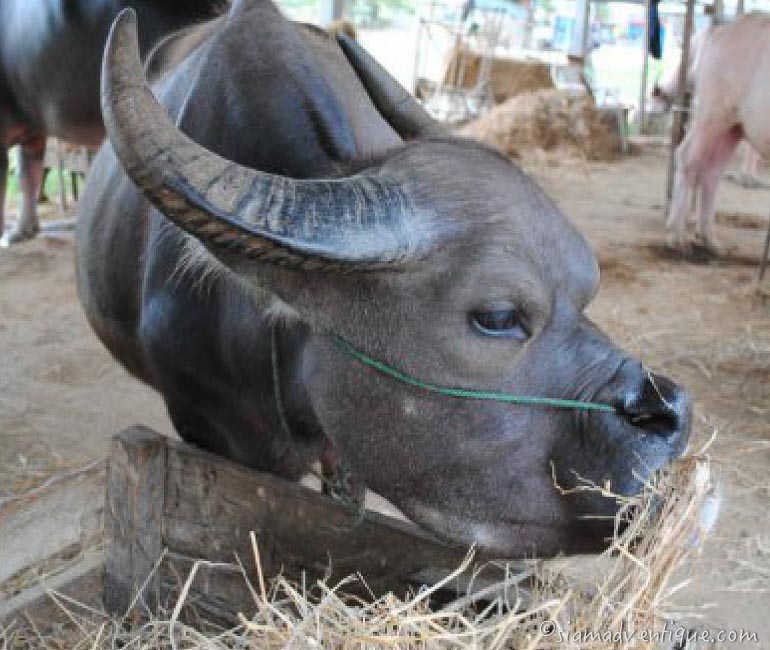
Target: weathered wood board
50	535
167	497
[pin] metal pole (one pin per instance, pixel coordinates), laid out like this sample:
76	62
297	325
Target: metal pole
579	38
677	130
643	89
329	10
529	25
417	57
719	12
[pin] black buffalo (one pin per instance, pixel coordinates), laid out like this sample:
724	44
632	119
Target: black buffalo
298	206
50	58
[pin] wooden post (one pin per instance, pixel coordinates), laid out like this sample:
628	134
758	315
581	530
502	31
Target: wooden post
136	476
60	172
74	182
645	62
763	259
677	130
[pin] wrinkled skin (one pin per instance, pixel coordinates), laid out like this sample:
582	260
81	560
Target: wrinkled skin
50	56
196	322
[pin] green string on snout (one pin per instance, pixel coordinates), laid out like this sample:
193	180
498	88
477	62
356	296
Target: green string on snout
467	393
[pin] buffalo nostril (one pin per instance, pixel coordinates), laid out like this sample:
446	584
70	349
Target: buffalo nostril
656	406
664	424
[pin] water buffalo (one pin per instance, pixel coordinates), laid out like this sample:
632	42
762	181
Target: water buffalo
299	220
50	57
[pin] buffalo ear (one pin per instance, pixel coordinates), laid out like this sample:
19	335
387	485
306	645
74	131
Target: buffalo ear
402	111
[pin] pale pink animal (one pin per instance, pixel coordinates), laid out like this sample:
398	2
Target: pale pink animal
665	91
732	102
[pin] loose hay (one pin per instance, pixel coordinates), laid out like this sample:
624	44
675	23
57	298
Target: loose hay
628	601
548	120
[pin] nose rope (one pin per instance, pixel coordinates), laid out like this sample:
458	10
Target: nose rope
651	379
467	393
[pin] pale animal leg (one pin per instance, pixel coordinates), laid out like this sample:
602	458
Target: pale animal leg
30	177
684	182
710	176
750	162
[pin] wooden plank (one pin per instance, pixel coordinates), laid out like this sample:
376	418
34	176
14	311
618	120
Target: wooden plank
212	505
165	497
42	530
136	473
80	580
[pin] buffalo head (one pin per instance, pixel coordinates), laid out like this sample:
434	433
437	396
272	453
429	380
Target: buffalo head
442	259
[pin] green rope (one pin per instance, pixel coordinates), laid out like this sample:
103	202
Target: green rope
467	393
337	488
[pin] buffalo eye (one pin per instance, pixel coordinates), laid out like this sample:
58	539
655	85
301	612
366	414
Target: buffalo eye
499	322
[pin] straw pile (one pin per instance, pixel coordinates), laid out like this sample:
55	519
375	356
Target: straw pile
624	608
548	120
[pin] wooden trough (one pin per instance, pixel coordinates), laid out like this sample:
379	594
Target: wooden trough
169	504
165	496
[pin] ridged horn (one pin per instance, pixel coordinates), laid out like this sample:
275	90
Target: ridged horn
358	222
402	111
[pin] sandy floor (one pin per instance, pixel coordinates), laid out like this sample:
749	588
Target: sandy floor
62	396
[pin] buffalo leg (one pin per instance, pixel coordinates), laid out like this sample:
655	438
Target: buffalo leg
30	178
3	184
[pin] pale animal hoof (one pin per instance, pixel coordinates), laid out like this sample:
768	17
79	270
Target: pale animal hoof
678	244
18	235
715	248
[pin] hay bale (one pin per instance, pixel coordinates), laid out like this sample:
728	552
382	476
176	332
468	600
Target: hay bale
549	120
508	77
629	590
342	26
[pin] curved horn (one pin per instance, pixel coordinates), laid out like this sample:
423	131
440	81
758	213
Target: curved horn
361	221
402	111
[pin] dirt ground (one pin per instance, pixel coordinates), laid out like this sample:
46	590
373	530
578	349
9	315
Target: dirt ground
703	323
